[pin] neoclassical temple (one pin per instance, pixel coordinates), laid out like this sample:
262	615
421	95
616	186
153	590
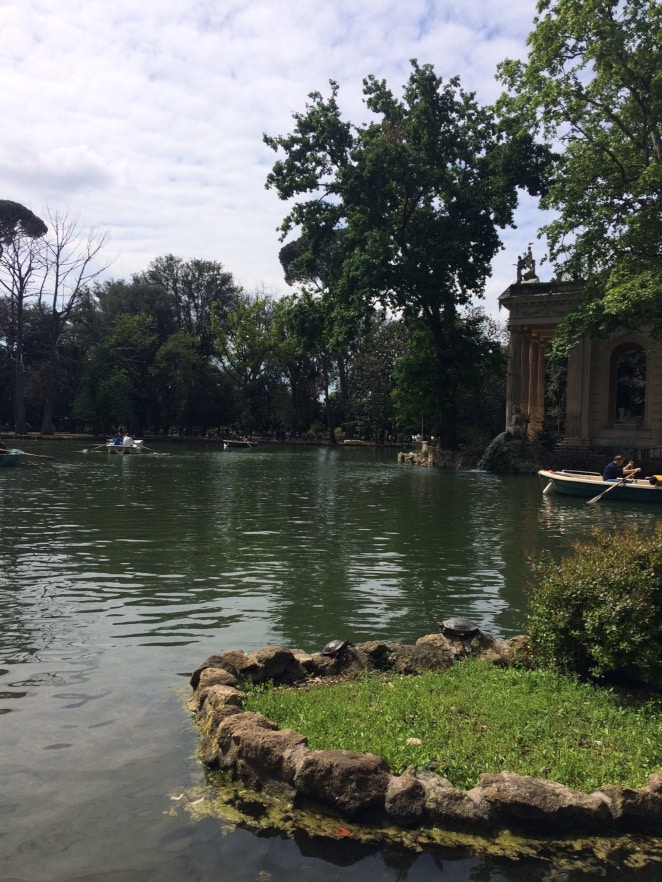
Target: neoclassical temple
614	386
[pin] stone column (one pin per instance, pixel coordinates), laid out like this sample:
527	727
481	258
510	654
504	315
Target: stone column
540	394
532	404
576	412
525	367
584	409
514	389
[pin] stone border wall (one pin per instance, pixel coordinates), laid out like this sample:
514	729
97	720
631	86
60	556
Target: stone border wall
360	786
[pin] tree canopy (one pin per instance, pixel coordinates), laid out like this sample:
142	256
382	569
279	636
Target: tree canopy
592	85
404	212
16	219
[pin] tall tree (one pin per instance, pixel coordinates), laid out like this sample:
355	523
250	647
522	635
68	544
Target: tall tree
15	220
592	84
310	342
116	387
118	297
406	209
195	288
71	263
246	343
371	372
480	375
19	266
19	228
327	330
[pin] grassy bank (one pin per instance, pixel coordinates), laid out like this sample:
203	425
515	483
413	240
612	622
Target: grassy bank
478	718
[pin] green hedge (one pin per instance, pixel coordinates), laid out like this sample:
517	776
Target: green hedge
599	613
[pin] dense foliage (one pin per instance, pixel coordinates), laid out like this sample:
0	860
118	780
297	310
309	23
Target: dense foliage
592	85
404	213
182	348
599	613
477	718
17	220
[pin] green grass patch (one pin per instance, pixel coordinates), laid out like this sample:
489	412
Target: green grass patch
478	718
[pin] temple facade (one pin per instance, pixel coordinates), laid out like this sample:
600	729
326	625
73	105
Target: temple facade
614	386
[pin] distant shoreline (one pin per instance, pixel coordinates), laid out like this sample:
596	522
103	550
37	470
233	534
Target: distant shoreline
199	439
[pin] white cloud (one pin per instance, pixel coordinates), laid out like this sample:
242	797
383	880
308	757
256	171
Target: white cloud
147	119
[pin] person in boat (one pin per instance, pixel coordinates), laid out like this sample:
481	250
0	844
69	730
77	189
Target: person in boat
616	470
116	440
127	441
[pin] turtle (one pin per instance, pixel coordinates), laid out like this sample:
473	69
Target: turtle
335	647
459	626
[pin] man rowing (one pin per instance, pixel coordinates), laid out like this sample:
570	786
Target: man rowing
616	471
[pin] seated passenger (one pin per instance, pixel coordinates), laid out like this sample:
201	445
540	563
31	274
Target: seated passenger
615	470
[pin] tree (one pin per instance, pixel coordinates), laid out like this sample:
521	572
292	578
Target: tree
17	220
326	328
371	379
194	288
592	84
405	211
70	264
118	297
19	228
116	388
246	343
310	336
19	263
479	375
186	386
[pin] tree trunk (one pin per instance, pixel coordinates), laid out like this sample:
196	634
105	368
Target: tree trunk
19	373
47	425
446	354
327	406
344	387
50	379
19	395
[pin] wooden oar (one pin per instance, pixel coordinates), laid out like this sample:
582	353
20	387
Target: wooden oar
37	455
604	492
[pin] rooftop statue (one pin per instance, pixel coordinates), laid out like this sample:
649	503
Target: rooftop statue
526	268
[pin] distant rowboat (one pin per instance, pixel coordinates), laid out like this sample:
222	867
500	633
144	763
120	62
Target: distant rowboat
10	457
124	449
239	444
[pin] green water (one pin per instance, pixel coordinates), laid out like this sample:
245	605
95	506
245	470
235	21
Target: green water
119	575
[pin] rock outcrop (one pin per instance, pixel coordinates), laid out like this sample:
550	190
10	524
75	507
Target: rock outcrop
361	786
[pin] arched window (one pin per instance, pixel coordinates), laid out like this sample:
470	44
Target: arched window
628	385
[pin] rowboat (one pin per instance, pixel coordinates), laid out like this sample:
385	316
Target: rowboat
238	444
10	457
588	485
124	449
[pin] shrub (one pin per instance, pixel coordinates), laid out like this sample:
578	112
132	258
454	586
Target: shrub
599	613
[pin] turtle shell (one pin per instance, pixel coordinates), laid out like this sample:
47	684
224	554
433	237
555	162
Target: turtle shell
460	626
334	647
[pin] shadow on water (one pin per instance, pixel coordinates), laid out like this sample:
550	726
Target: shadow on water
119	575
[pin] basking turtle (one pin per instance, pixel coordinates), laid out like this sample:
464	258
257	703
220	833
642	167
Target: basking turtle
459	626
335	647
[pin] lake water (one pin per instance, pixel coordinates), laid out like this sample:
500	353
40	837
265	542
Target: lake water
119	575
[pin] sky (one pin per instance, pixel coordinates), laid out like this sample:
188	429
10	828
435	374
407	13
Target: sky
144	120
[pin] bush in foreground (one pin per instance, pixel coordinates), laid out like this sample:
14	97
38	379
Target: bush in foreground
599	613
